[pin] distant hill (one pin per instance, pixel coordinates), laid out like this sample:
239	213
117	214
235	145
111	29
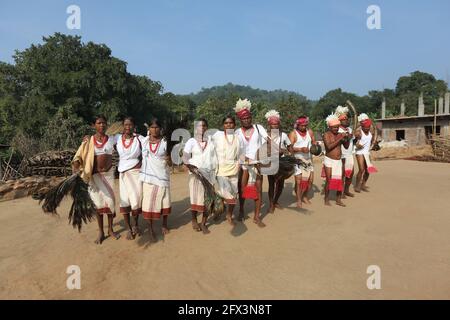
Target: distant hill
255	95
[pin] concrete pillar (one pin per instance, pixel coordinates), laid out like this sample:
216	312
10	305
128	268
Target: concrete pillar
447	103
441	105
402	108
421	106
383	109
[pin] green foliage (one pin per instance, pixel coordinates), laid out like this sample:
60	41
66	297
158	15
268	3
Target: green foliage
54	89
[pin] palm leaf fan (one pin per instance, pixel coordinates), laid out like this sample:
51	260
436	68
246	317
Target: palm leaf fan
286	166
83	208
214	203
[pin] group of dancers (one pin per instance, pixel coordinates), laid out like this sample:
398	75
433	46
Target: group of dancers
232	160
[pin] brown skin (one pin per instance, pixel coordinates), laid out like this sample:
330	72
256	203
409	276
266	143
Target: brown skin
102	163
132	226
332	141
199	135
229	124
246	124
302	196
345	123
155	136
363	174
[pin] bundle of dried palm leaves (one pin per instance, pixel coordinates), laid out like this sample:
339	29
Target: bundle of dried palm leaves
287	165
83	208
214	203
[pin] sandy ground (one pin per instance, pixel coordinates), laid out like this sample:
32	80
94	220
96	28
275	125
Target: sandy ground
402	226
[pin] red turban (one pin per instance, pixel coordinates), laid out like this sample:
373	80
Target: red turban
366	123
273	120
302	121
244	113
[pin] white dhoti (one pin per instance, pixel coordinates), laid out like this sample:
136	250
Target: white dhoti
335	183
130	192
370	167
250	191
155	201
349	164
228	188
305	172
101	190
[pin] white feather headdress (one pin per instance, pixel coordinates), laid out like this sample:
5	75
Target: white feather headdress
243	104
272	113
363	117
340	110
332	118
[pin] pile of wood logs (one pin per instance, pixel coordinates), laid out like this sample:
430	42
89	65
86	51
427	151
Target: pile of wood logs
53	164
441	147
48	164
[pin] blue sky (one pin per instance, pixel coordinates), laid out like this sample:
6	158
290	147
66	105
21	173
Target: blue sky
306	46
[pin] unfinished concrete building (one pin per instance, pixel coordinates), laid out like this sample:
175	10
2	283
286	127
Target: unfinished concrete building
416	130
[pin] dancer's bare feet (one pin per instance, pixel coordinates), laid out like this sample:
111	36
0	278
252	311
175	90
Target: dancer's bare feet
365	189
259	223
278	206
340	203
230	220
349	194
196	226
327	203
111	233
136	231
100	238
306	200
165	230
299	204
271	209
204	229
152	235
130	235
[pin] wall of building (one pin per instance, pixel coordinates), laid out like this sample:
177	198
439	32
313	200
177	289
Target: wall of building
414	130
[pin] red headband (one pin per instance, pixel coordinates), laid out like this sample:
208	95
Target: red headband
244	113
366	123
343	117
273	120
303	121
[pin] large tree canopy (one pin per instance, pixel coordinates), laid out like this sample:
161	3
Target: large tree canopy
55	88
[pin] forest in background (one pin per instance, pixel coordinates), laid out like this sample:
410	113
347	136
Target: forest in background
51	93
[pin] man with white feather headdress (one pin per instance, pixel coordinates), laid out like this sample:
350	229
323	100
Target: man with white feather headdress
251	138
332	162
346	148
279	146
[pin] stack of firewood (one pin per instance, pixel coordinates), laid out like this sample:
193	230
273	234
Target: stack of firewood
441	147
49	164
53	164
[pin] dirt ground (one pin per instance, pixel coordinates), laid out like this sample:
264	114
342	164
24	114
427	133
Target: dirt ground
402	226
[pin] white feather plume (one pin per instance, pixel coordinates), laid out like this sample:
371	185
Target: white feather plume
363	117
272	113
340	110
332	117
243	104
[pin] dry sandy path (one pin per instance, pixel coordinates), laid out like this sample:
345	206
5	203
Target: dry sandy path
402	225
